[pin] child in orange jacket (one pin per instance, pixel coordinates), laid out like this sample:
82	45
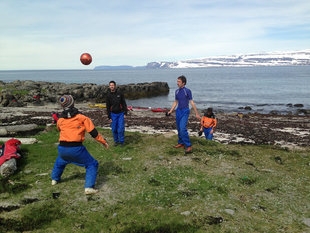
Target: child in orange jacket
72	126
208	124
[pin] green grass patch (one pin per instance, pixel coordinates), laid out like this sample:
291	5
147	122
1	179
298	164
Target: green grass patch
148	186
20	92
14	91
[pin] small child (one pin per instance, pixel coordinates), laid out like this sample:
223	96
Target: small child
208	124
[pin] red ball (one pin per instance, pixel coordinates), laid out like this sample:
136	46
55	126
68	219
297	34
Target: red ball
86	58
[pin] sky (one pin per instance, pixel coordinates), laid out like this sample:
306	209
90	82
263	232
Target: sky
52	34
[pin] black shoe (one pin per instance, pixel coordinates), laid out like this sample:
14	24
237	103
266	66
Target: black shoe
121	145
115	143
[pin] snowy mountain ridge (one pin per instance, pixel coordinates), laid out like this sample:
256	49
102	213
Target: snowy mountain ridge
289	58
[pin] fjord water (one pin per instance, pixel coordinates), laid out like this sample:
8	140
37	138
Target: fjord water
224	88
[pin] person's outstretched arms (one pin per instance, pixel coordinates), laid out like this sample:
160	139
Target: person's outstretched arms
90	128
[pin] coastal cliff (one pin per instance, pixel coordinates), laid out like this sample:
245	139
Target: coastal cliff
22	93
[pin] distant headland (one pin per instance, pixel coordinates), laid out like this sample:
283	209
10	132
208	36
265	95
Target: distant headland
290	58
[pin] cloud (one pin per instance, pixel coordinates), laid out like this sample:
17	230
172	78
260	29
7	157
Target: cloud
54	33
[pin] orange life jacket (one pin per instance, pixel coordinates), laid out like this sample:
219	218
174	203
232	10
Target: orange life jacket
73	129
208	122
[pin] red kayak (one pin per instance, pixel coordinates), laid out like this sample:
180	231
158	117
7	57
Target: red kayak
143	108
131	108
159	110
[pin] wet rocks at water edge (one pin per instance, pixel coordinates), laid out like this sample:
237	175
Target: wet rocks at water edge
303	111
290	105
248	108
291	109
22	93
299	109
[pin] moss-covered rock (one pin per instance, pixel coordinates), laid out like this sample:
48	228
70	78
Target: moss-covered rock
21	93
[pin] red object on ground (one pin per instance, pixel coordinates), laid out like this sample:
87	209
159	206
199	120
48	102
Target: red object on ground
159	110
10	150
55	118
143	108
86	59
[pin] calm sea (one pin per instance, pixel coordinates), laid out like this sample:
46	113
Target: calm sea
225	89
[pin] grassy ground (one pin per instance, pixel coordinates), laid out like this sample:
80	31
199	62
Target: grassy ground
148	186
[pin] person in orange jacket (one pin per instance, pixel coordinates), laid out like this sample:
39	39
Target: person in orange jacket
208	124
72	126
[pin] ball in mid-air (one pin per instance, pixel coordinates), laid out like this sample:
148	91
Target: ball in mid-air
86	59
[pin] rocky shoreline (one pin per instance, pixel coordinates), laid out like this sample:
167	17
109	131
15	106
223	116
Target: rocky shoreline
290	131
24	93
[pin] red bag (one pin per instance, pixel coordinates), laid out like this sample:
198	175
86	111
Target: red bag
9	150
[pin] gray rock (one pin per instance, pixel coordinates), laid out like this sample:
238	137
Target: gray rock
306	221
229	211
303	111
186	213
22	140
27	171
274	112
20	128
50	92
42	174
127	158
3	131
8	167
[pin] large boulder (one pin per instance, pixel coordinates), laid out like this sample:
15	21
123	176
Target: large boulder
19	93
15	129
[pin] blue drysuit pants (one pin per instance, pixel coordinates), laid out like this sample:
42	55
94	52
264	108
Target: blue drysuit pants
79	156
207	132
118	127
181	119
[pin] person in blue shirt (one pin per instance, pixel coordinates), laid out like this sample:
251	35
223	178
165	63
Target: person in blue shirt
183	96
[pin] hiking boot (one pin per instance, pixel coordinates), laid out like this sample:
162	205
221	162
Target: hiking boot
179	146
188	150
54	182
115	143
89	191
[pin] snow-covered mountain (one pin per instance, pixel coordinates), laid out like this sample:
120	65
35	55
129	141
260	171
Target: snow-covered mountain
291	58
